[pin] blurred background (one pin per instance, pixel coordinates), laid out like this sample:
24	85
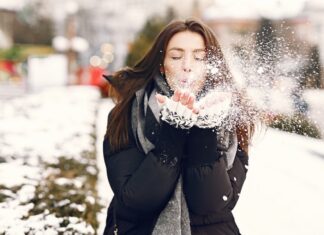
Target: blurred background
54	104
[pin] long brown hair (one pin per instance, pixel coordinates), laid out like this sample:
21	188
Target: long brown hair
127	81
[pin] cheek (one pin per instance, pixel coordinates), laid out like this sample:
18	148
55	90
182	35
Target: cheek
171	71
172	68
200	69
200	74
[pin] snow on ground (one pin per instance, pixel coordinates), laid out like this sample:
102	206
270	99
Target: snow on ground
37	132
282	194
284	190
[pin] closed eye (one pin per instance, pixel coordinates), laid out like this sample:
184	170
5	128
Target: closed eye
199	58
199	55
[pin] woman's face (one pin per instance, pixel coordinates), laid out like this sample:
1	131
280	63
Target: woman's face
184	62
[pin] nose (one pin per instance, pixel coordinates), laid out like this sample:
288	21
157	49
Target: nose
187	65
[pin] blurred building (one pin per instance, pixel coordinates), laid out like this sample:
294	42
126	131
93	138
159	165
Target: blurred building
6	27
231	22
100	22
189	8
8	12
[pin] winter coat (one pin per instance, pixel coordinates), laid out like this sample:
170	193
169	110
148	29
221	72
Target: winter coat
143	184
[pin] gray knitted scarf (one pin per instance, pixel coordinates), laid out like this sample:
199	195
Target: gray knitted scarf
174	219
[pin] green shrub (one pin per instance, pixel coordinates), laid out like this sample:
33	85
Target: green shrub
13	53
49	194
299	124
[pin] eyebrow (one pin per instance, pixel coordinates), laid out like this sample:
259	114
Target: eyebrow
180	49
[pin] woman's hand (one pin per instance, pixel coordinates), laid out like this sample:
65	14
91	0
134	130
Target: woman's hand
215	100
179	110
202	146
182	110
214	108
183	97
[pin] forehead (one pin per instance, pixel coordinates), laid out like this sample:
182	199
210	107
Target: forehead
186	40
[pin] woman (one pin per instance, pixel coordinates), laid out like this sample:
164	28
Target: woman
159	134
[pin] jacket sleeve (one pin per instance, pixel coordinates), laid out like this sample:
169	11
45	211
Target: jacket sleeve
142	184
210	188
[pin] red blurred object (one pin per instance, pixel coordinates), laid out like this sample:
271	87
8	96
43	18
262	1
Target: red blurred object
96	79
8	66
95	75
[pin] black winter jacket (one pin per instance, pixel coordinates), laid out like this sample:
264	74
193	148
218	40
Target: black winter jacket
143	184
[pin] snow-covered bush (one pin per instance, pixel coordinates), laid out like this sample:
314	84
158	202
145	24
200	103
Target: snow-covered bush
48	170
299	124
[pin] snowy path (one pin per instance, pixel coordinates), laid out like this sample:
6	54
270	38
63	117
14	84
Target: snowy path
284	189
